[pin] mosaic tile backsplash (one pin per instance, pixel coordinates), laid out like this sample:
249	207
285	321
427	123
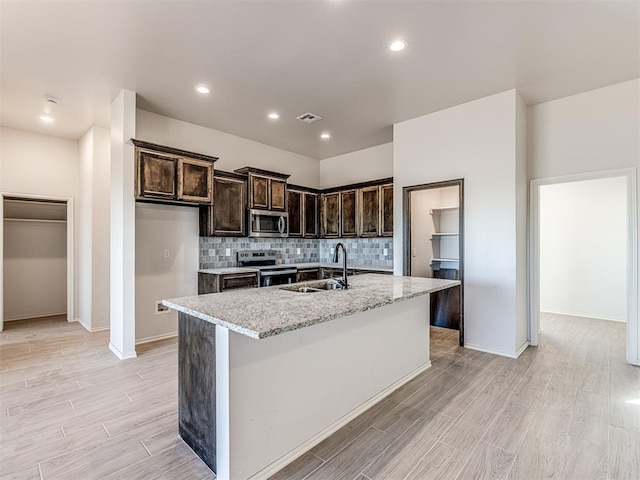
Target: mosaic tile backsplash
220	252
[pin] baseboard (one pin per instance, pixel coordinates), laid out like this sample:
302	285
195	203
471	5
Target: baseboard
119	354
34	316
156	338
497	352
289	457
90	329
557	312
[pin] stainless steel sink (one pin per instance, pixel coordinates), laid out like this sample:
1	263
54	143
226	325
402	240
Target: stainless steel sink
314	287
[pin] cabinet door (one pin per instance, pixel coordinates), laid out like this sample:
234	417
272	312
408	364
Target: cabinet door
156	176
294	201
278	194
195	180
310	215
229	207
387	210
259	192
348	213
331	215
369	209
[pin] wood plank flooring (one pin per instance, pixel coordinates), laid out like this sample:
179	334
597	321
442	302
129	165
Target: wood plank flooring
564	410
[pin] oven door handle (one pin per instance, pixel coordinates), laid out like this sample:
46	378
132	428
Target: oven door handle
278	272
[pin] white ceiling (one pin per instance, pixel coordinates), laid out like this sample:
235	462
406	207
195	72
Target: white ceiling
321	56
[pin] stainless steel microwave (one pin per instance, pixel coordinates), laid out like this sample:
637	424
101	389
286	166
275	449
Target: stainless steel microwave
264	223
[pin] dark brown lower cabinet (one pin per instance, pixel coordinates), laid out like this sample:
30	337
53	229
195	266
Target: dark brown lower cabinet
305	274
445	304
216	283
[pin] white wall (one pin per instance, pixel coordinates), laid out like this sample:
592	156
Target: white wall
160	228
35	164
35	269
475	141
583	235
233	152
359	166
93	232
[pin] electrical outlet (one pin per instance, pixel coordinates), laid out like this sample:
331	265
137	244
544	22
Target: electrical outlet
160	308
228	252
167	253
298	251
385	251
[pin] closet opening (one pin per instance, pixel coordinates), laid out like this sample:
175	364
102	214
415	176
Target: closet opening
433	219
37	260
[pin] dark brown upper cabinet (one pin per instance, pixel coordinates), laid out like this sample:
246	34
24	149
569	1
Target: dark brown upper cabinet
331	215
227	216
349	213
302	206
169	175
267	190
369	211
294	202
386	209
310	217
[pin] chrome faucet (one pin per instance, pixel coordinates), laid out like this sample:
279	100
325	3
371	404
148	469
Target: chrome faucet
343	282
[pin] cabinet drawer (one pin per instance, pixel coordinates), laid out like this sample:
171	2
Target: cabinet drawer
245	280
308	274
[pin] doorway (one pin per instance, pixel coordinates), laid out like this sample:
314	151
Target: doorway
584	252
433	219
37	258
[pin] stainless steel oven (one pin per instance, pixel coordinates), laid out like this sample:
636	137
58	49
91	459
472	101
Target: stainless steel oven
268	272
263	223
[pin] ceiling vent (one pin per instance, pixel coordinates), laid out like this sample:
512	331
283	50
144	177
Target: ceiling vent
309	118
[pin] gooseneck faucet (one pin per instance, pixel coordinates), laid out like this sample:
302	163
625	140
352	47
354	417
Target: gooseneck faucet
343	282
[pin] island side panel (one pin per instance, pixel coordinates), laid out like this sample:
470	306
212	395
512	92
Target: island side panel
197	386
288	392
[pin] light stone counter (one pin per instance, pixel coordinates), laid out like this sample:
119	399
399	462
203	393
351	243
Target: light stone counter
225	271
265	312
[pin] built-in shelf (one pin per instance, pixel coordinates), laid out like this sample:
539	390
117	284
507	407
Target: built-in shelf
445	260
435	211
38	220
445	234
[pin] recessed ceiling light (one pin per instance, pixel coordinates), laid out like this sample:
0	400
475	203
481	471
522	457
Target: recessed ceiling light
202	89
325	136
398	45
273	116
47	118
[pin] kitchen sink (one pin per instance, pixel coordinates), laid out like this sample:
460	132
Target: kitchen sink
314	287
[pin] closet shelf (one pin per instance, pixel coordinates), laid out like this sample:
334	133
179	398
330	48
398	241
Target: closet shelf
443	234
445	260
37	220
435	211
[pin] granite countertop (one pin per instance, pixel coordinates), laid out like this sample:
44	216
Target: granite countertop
221	271
264	312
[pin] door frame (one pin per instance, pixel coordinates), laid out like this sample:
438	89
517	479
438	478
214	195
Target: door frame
70	249
633	354
406	254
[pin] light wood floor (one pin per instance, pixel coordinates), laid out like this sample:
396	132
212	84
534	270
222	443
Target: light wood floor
562	410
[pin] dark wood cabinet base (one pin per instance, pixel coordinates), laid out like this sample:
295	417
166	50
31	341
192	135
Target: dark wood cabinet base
197	386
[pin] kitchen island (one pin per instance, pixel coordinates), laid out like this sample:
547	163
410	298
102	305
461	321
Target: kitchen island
267	373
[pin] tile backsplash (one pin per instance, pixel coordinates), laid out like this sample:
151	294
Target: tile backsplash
220	252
